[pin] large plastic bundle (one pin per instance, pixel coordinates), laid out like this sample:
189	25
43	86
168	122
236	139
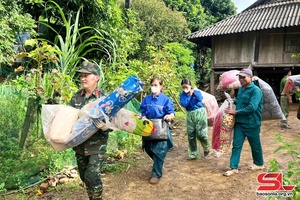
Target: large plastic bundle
229	80
47	115
131	122
84	128
103	109
291	84
223	129
271	108
123	120
58	121
211	104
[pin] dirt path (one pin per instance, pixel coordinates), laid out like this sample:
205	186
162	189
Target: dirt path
199	179
192	180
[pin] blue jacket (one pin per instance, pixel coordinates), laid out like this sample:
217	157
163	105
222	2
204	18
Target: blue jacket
191	102
249	106
157	107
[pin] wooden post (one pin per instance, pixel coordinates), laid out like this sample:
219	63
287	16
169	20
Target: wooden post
128	4
31	115
212	82
212	73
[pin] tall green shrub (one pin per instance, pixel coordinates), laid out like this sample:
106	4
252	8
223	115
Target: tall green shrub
291	173
12	109
12	20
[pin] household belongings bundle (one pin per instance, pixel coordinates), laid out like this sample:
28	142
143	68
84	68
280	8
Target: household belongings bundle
223	128
211	106
291	84
229	81
65	127
271	108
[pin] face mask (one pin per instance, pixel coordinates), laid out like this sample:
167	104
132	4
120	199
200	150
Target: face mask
154	90
187	90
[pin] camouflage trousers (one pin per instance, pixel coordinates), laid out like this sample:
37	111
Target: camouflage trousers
90	173
196	123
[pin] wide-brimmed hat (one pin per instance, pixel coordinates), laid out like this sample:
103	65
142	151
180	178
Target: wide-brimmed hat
245	72
89	68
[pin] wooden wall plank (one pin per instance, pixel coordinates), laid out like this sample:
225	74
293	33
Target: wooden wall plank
271	46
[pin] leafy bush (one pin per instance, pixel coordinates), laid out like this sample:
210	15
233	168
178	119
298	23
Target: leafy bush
291	174
38	161
39	155
165	63
12	21
12	109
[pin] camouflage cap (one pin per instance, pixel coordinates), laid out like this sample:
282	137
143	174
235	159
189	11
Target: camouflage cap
89	68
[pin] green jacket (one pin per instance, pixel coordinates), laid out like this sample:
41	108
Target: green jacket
249	106
98	142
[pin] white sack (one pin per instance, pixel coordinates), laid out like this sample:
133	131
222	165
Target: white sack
271	108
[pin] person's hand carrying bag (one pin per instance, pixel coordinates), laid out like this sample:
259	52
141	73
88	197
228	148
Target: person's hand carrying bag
161	132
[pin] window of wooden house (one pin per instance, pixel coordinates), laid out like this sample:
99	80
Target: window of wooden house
292	43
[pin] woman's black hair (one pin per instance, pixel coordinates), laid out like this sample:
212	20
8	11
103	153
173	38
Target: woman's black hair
186	81
286	70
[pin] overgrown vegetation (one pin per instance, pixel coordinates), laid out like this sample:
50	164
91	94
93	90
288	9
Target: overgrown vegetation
145	40
291	173
39	159
13	22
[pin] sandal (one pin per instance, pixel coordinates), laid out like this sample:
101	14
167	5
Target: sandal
231	172
206	153
256	167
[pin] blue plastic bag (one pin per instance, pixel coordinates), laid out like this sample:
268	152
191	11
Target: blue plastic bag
84	127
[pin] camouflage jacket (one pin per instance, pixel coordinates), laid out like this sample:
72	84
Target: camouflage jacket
98	142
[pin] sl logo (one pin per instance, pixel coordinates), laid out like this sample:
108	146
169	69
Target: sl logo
272	182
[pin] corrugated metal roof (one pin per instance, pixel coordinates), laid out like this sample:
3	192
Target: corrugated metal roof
266	16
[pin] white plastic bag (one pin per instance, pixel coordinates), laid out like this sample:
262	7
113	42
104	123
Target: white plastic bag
62	124
210	103
57	122
47	114
271	108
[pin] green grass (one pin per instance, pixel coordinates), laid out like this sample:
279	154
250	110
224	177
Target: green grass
179	115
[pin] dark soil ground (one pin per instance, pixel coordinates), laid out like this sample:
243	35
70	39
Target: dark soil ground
188	180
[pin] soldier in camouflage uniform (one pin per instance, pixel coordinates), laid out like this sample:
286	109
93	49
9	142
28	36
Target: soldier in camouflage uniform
90	154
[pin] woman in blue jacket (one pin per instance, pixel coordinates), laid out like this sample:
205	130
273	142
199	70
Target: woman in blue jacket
157	106
196	119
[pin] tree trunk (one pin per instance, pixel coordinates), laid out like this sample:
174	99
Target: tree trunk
30	118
